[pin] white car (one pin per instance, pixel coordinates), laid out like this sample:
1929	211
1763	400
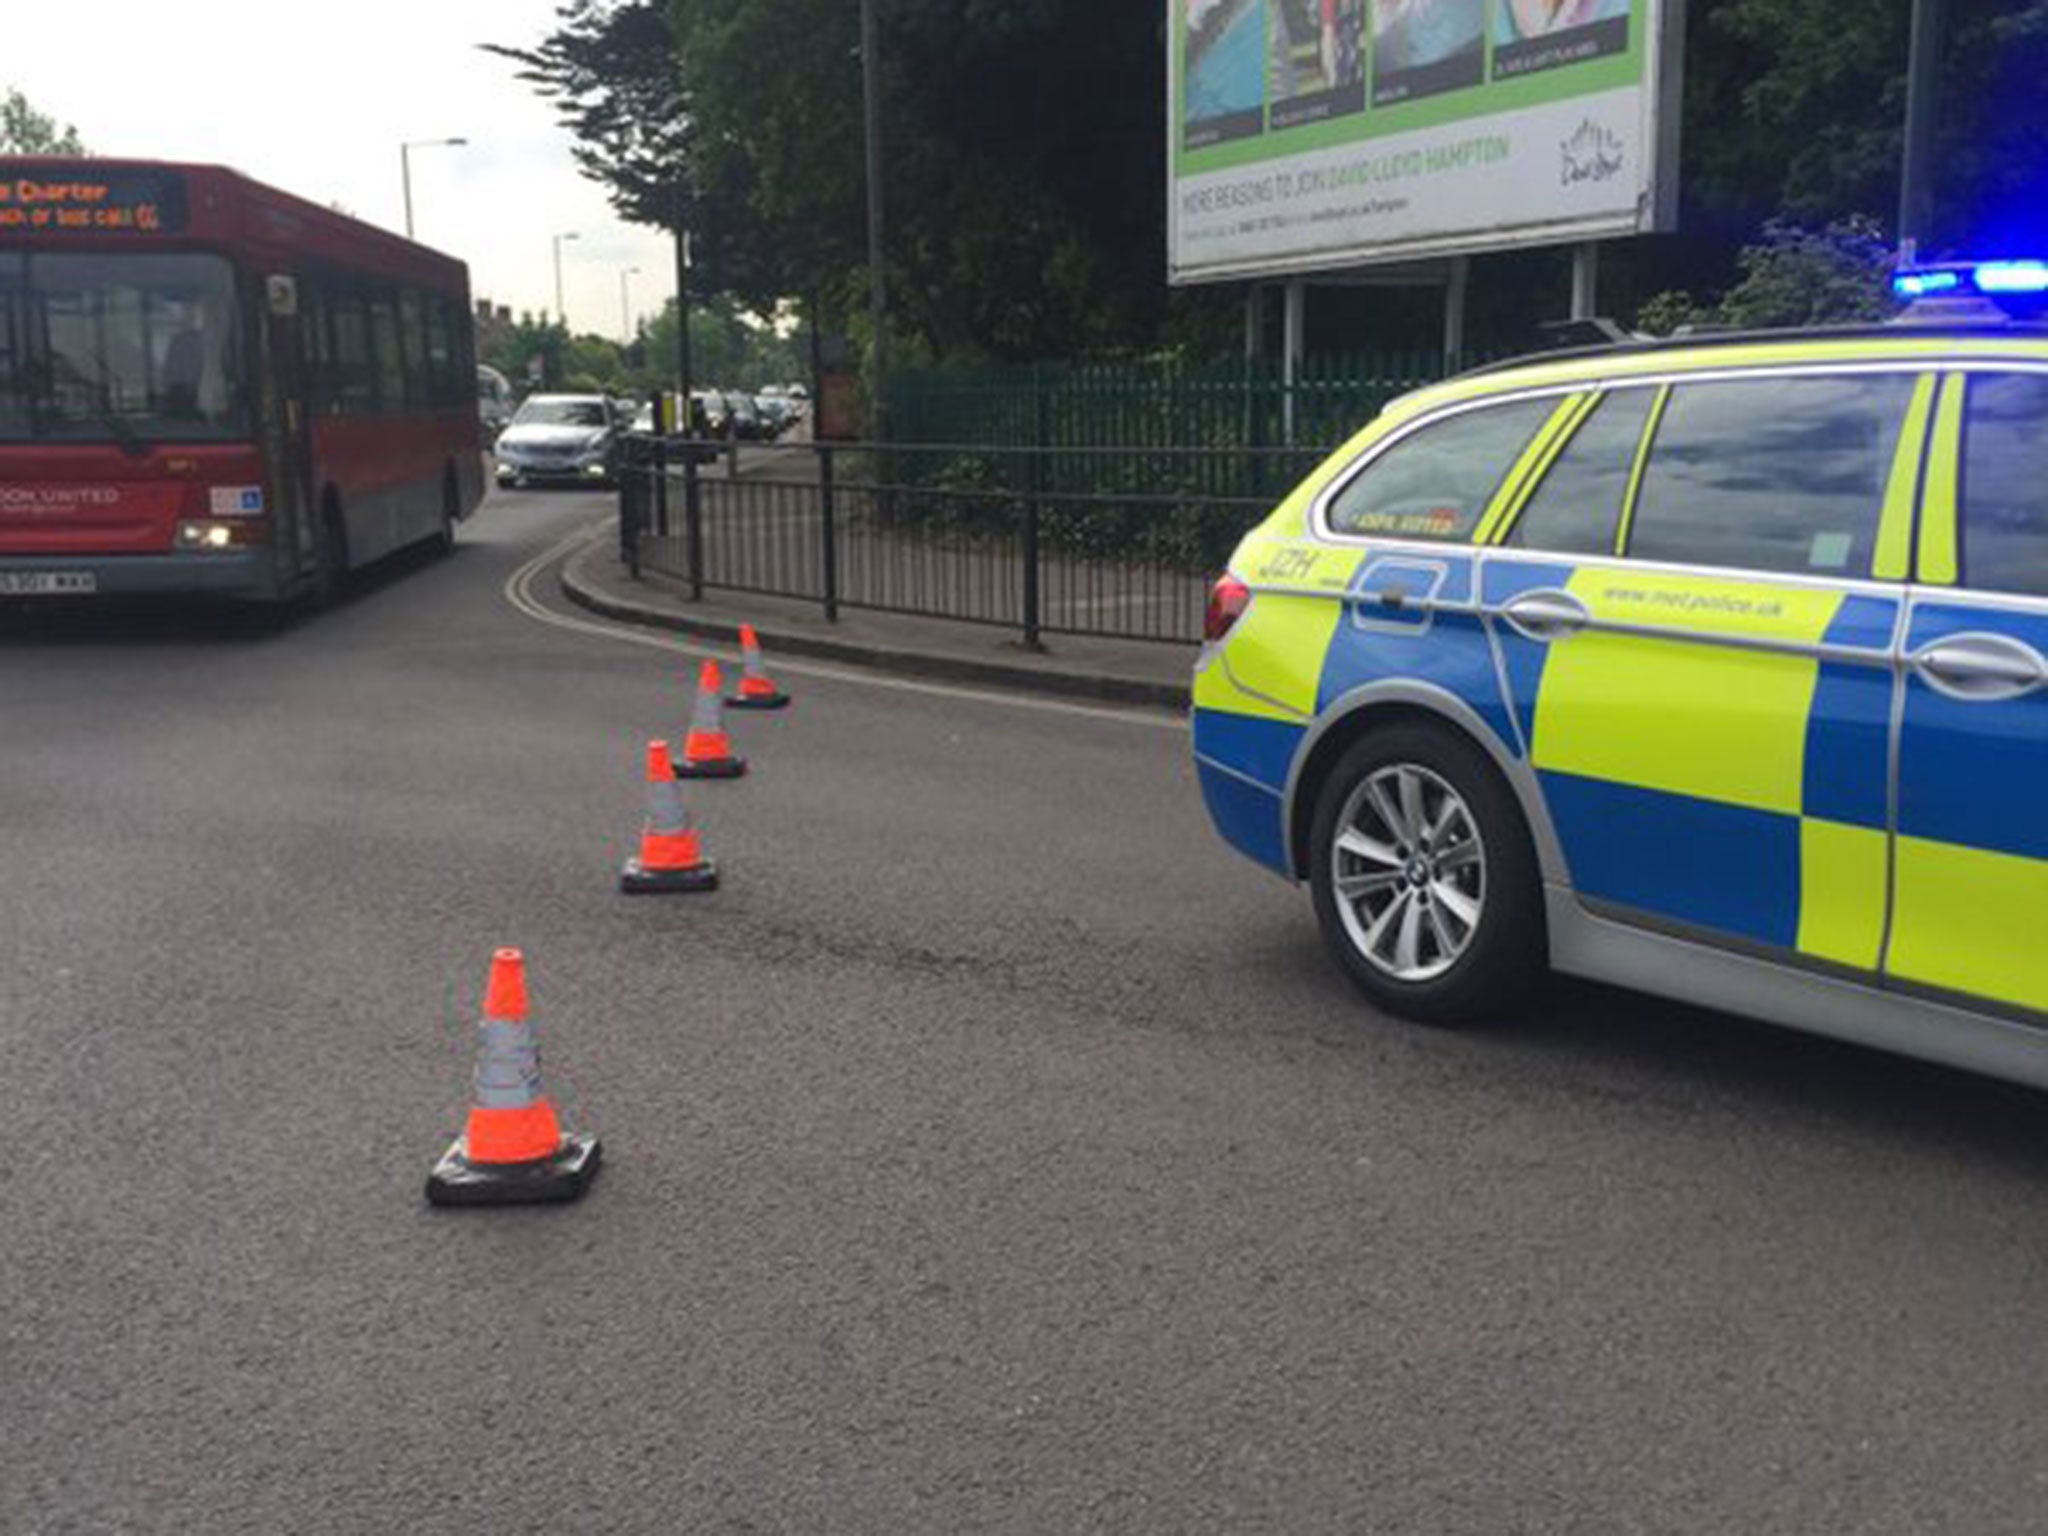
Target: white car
562	439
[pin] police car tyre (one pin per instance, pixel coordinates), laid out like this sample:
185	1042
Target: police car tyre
1424	878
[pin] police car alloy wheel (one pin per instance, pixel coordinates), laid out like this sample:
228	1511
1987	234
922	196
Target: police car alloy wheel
1409	868
1424	878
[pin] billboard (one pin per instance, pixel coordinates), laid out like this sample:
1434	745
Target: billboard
1306	135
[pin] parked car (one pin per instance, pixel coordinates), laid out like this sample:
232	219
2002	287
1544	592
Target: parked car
494	401
777	412
702	450
709	410
561	439
1715	667
744	418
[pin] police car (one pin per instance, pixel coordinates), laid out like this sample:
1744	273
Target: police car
1712	667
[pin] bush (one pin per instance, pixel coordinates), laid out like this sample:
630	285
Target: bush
1794	276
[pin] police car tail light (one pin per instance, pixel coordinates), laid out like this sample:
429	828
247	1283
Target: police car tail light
1228	600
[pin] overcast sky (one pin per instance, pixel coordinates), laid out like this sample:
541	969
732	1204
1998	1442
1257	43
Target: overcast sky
317	99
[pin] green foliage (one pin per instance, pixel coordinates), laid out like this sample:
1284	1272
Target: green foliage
25	131
610	67
512	349
730	347
1794	276
1201	452
610	70
1025	150
1024	198
1795	109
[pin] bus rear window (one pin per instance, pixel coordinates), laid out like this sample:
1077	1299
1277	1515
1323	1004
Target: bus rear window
96	348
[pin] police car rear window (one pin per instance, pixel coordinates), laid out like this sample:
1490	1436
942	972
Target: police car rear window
2005	483
1436	482
1771	474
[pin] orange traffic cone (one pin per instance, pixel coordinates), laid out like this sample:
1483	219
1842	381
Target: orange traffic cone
756	691
707	750
671	858
512	1151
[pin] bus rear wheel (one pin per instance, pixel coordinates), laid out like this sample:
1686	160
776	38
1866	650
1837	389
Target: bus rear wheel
444	539
330	559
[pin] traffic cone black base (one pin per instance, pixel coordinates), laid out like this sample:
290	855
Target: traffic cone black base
713	768
762	701
636	879
458	1181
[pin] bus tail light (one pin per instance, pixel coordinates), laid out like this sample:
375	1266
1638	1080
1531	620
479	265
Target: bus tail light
1228	600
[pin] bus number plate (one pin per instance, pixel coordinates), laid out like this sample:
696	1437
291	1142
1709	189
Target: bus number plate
48	583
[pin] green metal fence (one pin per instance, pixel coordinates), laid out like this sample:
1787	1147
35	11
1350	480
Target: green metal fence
1136	406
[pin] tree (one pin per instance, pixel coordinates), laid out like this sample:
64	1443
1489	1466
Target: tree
610	68
1792	277
25	131
511	350
732	348
1794	117
1025	200
1013	230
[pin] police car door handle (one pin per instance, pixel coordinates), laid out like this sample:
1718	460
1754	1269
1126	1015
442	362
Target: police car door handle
1981	666
1546	614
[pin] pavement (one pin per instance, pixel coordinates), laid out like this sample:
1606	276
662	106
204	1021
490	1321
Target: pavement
1124	671
994	1151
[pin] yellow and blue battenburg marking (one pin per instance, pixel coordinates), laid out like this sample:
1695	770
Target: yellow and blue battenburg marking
1972	869
1716	773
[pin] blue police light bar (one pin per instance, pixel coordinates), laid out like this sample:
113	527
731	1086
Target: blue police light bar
2012	277
1965	278
1918	284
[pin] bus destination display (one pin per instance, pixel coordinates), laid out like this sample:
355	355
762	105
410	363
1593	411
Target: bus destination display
118	202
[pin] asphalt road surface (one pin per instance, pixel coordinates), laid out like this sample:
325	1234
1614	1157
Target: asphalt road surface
994	1152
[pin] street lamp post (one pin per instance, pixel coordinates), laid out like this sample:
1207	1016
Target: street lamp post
625	310
878	302
405	169
561	313
1923	94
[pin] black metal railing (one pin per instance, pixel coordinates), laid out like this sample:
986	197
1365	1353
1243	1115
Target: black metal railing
1107	542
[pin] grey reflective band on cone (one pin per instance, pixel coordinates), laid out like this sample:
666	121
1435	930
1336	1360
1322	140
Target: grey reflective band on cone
508	1065
665	811
709	715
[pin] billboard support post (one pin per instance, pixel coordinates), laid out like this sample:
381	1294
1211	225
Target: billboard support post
1455	285
1585	279
1297	304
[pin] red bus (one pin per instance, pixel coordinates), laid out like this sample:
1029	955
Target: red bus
208	386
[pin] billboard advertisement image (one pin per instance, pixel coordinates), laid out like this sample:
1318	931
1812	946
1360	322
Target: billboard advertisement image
1312	135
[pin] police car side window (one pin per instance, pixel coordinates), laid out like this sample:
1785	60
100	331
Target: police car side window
2005	482
1772	474
1436	482
1576	508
